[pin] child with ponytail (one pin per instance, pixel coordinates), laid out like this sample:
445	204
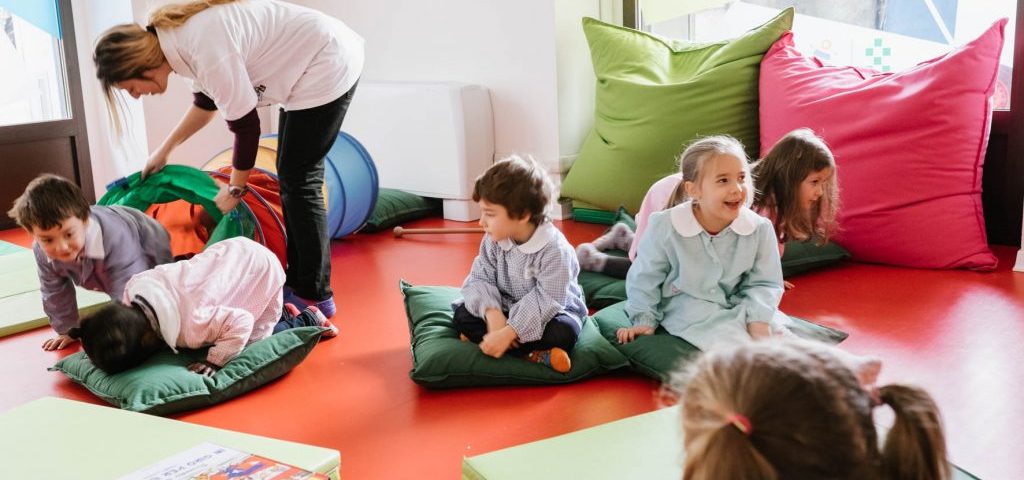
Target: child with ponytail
788	408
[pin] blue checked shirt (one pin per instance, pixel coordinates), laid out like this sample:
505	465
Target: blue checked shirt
533	282
705	288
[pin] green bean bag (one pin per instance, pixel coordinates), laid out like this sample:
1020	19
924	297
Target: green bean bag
654	97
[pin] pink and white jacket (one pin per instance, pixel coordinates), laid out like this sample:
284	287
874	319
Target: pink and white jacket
228	296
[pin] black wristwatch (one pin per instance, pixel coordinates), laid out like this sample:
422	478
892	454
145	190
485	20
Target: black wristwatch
238	192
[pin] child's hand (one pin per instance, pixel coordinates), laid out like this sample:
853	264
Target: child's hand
58	343
787	285
759	330
628	334
203	368
496	343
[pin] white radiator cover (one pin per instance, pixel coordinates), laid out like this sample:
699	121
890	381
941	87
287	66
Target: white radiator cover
431	139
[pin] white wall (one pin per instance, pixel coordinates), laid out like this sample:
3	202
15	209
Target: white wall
506	46
111	158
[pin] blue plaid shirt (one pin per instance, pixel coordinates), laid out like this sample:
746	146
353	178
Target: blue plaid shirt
533	282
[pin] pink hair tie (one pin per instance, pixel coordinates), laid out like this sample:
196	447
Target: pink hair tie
741	423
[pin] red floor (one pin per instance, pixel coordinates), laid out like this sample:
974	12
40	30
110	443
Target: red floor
957	333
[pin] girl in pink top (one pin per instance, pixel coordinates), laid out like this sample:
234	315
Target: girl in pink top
226	297
795	187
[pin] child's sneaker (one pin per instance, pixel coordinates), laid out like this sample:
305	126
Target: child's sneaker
332	331
556	358
590	258
618	236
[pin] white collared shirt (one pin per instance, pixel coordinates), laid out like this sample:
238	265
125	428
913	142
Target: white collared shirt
705	288
255	53
532	282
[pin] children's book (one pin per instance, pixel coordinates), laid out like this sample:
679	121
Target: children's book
209	461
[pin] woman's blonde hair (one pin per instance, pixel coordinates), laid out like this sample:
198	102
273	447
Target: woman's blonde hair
691	162
780	409
778	177
127	51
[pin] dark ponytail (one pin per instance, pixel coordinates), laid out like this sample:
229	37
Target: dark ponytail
915	448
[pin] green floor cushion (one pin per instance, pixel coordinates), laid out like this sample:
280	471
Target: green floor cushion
655	96
657	355
801	257
647	446
395	207
163	384
441	360
20	297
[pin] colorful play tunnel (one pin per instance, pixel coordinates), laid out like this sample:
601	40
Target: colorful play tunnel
182	198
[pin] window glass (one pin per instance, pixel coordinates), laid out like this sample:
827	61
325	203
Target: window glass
33	85
884	35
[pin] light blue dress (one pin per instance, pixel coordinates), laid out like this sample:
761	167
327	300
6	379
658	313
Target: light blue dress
705	288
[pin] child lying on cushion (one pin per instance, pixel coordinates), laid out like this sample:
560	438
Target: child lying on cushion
522	292
785	408
97	248
226	297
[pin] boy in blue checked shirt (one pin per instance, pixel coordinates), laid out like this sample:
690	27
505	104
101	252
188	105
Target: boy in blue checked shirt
521	296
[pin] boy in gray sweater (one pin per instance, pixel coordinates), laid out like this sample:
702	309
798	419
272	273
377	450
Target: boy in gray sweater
521	295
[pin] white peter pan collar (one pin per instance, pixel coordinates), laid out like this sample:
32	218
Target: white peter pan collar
541	237
684	221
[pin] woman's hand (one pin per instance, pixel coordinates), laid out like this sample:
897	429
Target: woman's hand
628	334
157	161
225	202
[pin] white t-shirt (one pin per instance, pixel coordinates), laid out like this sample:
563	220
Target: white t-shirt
254	53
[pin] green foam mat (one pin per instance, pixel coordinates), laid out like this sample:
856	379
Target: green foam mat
59	438
7	247
648	446
20	299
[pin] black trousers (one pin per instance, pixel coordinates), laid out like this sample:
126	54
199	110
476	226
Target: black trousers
305	137
305	318
562	332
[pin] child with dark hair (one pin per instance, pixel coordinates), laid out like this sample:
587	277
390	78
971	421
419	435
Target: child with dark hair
787	408
97	248
521	295
226	297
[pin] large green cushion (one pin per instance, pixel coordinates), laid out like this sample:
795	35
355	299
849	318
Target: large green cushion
655	96
164	385
657	355
395	207
441	360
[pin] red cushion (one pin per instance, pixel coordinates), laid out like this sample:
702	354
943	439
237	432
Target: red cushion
909	147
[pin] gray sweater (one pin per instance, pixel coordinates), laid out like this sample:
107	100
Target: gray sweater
132	242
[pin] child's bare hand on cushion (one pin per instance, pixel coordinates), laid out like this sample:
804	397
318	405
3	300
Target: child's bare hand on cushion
58	343
787	285
203	368
759	330
496	343
628	334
